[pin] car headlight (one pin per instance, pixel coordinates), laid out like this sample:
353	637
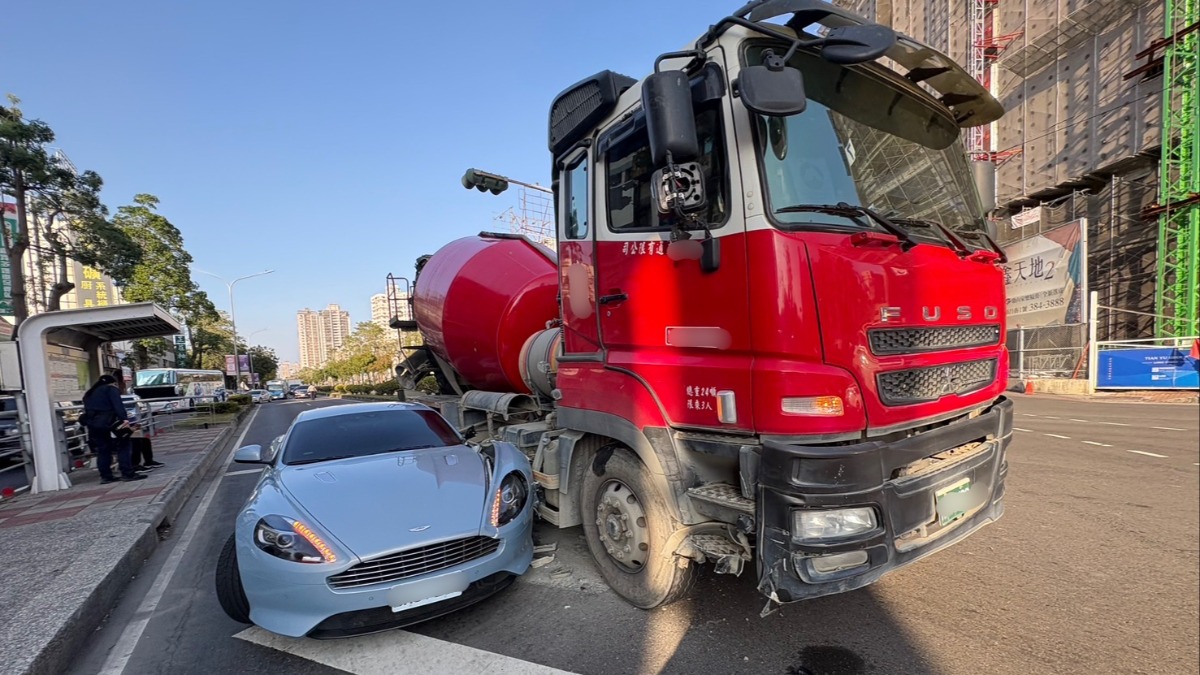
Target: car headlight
820	524
291	539
510	498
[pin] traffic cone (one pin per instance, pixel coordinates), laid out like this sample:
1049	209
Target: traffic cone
1028	387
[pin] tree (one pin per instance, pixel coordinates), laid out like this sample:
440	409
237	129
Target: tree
27	168
73	223
163	275
264	362
211	337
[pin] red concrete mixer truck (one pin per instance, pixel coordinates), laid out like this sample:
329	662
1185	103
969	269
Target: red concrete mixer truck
772	330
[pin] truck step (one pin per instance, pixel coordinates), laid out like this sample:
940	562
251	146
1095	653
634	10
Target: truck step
723	495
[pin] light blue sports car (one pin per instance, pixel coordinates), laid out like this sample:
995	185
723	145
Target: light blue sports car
374	516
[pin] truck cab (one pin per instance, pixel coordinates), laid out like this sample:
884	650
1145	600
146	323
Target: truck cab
774	250
771	331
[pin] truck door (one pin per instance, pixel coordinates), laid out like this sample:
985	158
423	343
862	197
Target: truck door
577	271
682	331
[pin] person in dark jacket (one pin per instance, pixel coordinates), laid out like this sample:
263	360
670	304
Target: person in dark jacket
102	411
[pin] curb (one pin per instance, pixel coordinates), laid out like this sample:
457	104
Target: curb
56	655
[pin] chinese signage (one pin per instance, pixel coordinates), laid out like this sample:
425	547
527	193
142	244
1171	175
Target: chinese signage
1147	368
92	288
1043	277
9	212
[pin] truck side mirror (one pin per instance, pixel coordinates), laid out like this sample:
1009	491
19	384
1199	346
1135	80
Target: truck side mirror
670	120
772	89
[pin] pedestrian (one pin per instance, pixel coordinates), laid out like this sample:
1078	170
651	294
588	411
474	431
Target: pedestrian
143	454
107	426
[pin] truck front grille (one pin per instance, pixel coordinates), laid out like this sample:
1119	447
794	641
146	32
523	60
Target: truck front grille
887	341
919	385
414	562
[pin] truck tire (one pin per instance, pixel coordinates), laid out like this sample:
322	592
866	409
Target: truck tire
230	593
627	523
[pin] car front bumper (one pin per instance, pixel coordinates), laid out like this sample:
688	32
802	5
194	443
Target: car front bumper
295	599
897	482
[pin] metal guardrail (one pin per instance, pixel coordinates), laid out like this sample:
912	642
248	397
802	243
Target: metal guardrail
152	416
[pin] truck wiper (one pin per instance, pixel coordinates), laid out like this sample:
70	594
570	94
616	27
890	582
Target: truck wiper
851	211
955	243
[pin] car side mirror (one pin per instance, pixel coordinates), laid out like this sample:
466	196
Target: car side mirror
772	89
670	119
250	454
468	433
857	44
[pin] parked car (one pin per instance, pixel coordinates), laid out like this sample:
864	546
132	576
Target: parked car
259	395
373	516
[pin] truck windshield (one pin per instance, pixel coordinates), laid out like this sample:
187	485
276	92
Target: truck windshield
864	141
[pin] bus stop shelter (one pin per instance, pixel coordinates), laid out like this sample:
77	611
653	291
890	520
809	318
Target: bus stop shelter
86	330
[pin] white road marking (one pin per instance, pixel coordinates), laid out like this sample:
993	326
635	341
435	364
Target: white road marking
397	652
1075	420
1148	454
243	472
1115	424
1049	417
1029	414
1065	438
1103	445
1168	429
1020	429
118	658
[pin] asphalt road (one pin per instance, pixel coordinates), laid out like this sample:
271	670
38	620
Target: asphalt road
1093	569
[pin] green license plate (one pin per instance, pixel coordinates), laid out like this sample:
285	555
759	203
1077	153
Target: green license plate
953	502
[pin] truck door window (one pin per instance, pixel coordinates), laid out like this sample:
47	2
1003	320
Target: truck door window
628	170
577	200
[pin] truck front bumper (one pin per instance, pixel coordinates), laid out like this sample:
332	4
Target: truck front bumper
905	483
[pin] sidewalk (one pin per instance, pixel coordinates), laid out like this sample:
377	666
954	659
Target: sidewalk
69	554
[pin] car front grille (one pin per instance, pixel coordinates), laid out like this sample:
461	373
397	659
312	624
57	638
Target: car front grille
887	341
918	385
414	562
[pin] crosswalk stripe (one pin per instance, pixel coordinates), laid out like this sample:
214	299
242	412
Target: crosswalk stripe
397	652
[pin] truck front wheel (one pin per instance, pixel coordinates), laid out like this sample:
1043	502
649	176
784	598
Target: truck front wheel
627	523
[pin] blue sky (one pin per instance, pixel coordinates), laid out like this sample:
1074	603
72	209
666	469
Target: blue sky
323	141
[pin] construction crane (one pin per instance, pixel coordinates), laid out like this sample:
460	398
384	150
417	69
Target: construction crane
1178	208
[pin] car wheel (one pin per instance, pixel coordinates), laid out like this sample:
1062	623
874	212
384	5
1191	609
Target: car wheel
627	523
230	593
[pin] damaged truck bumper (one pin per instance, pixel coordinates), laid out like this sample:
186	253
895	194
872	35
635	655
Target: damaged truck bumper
836	518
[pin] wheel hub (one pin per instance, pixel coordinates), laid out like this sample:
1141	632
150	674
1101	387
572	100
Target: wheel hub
621	522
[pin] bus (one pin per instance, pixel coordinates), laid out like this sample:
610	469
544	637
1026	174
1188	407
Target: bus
278	389
196	385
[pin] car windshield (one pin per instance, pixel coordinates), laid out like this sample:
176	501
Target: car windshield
863	141
366	433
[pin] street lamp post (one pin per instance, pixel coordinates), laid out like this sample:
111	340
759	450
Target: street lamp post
237	365
250	357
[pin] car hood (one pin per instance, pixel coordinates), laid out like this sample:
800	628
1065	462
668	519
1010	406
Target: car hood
394	501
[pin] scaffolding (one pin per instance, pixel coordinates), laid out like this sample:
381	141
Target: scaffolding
1178	210
533	216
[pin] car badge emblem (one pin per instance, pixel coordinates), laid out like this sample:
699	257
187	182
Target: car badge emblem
422	528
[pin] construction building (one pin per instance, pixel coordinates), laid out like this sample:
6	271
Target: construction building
1086	139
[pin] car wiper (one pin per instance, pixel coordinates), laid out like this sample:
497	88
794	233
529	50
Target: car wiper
851	211
314	460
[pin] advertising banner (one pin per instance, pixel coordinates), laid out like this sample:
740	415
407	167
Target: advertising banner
1044	277
9	216
244	362
230	365
1147	368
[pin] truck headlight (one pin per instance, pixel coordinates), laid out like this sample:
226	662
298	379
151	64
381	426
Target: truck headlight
821	524
510	498
291	539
